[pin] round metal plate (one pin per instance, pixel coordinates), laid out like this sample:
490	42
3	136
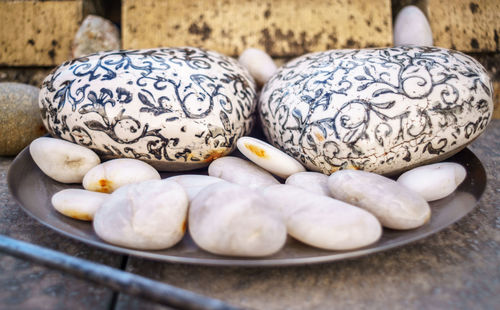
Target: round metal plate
33	190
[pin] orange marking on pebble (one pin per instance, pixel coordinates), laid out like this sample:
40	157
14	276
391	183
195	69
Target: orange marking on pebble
104	186
78	215
184	226
256	150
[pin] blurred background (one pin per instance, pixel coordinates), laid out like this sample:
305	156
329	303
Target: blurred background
36	36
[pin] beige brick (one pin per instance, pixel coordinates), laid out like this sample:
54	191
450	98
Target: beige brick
281	27
38	32
465	25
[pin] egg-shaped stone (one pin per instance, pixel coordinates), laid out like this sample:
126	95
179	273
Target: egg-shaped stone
239	171
314	182
394	205
260	65
381	110
61	160
175	108
321	221
268	157
435	181
149	215
113	174
234	220
411	27
193	184
78	203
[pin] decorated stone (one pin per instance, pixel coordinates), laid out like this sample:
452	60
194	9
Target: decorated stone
381	110
20	121
175	108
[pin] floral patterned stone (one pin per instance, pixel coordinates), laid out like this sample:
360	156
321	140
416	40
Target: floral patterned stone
175	108
380	110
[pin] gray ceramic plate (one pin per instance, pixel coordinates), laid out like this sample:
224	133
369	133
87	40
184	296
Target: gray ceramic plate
33	190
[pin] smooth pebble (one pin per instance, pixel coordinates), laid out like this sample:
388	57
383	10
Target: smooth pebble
412	28
394	205
435	181
20	121
94	35
115	173
194	183
77	203
260	65
314	182
149	215
321	221
269	157
240	171
230	219
61	160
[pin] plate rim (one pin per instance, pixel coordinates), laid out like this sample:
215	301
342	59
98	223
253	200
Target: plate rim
227	261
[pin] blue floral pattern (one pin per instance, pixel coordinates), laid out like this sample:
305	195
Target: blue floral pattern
178	108
375	109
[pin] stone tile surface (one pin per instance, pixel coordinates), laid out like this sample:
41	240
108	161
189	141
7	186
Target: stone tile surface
24	285
457	268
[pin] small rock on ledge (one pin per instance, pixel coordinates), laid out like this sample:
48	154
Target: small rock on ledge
94	35
20	120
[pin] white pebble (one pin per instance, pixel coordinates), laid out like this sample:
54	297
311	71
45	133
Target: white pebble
115	173
194	183
394	205
61	160
240	171
260	65
322	221
229	219
314	182
269	157
435	181
79	204
412	28
150	215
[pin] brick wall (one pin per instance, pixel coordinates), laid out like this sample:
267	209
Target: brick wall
37	35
